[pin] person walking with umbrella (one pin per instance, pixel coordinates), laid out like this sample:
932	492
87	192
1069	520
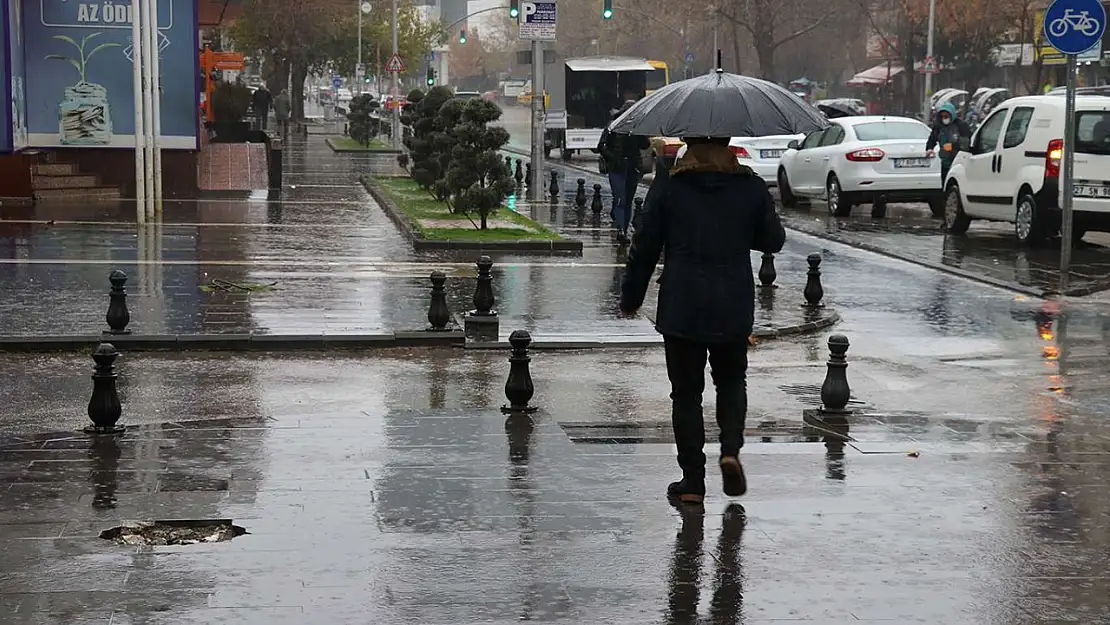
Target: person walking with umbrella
708	215
621	153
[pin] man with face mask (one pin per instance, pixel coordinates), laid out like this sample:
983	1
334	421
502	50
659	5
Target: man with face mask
948	130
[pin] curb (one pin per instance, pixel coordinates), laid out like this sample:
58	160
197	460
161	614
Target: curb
454	337
421	244
339	150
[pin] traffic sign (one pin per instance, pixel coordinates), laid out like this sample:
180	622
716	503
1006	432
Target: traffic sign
395	64
337	81
537	21
1074	26
929	66
690	57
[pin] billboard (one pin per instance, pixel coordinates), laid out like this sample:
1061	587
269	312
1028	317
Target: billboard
79	87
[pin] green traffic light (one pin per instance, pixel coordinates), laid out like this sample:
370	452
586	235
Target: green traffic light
514	13
607	14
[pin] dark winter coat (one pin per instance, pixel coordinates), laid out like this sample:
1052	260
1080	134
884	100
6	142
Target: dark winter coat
261	101
618	149
948	135
708	215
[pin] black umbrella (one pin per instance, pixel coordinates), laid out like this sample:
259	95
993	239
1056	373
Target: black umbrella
834	109
719	105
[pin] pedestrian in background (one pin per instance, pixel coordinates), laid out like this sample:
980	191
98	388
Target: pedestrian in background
261	101
708	215
283	107
623	160
948	131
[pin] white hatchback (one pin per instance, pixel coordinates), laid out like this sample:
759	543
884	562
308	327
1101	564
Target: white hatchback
761	154
869	159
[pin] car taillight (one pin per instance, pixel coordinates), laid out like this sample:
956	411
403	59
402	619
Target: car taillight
740	151
671	149
1052	158
866	155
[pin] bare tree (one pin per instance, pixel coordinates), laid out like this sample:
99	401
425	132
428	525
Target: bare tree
772	23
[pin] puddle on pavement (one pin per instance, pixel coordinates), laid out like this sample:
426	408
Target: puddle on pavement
162	533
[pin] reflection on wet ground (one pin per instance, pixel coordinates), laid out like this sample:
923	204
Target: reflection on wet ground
390	489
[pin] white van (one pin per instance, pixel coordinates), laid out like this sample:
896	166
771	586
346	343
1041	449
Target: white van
1011	170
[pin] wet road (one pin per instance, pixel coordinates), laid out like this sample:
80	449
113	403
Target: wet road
988	252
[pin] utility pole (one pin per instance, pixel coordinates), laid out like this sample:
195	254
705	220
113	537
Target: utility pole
538	93
358	65
152	44
396	126
929	54
148	111
140	136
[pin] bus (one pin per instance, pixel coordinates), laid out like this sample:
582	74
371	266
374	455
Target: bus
659	77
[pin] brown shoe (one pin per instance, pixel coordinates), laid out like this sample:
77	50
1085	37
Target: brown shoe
732	476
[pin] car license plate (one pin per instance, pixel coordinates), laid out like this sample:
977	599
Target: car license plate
770	154
1091	190
912	162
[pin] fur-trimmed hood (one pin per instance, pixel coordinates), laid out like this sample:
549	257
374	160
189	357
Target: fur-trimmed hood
707	157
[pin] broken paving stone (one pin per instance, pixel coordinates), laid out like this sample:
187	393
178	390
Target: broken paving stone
161	533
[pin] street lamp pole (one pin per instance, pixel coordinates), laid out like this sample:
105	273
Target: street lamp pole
358	67
929	54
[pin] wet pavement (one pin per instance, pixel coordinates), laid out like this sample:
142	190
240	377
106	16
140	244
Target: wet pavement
386	486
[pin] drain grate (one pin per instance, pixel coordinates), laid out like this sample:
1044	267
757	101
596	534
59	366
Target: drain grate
810	395
186	532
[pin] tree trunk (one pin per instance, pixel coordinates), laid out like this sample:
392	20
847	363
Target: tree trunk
737	67
765	50
296	91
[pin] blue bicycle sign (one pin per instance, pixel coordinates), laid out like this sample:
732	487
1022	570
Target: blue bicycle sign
1074	26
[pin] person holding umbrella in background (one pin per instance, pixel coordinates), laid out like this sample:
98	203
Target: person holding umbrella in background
708	215
621	153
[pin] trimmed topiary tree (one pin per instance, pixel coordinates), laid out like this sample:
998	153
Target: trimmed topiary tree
476	180
427	143
362	126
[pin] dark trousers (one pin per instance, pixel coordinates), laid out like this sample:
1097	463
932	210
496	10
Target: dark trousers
686	370
263	120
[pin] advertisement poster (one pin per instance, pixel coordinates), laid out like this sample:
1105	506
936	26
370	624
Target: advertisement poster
18	76
79	88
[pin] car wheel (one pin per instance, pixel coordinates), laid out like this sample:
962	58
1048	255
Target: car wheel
785	193
834	196
1077	233
878	209
956	220
1028	220
937	205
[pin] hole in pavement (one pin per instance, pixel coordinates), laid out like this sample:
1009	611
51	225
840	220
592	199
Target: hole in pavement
184	532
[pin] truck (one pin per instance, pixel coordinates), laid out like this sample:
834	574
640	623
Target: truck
584	95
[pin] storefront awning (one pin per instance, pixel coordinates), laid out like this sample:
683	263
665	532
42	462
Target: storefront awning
878	75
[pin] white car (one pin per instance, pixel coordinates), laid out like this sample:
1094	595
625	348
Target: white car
1011	170
762	154
869	159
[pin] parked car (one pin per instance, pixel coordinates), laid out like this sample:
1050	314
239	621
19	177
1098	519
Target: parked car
869	159
761	154
1011	169
467	95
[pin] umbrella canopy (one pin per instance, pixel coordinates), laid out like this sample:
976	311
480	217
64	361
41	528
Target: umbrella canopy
836	108
719	105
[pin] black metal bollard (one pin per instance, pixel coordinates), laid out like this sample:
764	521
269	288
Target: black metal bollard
554	187
118	316
483	292
580	194
637	211
509	164
104	405
438	314
519	174
528	174
767	273
835	392
519	388
814	292
595	204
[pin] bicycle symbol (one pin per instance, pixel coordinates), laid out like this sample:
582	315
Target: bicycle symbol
1080	21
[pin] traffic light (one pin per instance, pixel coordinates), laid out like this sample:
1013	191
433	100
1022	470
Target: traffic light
462	36
514	8
431	76
607	9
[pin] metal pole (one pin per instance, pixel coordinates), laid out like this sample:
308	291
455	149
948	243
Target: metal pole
358	74
537	120
716	42
396	126
1066	226
137	78
148	112
156	96
929	54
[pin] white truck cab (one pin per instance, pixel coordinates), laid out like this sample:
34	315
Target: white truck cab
1011	169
